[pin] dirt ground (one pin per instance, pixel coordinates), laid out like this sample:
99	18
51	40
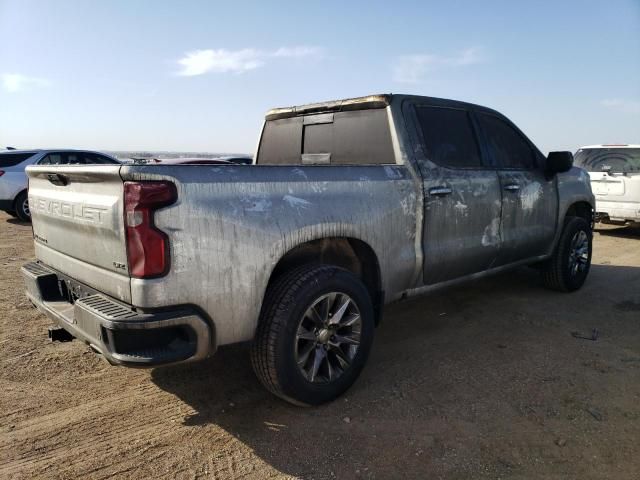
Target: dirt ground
481	381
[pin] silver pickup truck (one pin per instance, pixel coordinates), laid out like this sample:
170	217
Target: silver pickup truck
349	205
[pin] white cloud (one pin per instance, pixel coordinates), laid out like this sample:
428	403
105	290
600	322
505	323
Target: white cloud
627	106
470	56
413	68
221	60
202	61
297	52
15	82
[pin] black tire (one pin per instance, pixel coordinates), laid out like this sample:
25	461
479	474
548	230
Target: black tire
22	207
557	272
273	352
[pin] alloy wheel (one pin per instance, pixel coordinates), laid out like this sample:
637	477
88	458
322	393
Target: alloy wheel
328	337
579	253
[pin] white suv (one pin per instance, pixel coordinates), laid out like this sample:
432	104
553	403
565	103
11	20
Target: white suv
615	181
13	179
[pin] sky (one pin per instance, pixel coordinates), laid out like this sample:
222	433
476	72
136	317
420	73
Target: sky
200	75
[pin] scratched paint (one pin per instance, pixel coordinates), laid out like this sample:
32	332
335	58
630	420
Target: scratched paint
259	205
296	202
530	194
491	235
461	208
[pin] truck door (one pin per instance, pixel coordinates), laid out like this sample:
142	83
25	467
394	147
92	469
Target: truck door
529	198
462	198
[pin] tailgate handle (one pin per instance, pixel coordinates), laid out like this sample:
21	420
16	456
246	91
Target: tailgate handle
58	179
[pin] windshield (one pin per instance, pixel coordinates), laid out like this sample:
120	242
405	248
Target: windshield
608	159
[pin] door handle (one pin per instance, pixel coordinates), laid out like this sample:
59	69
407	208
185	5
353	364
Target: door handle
514	187
440	191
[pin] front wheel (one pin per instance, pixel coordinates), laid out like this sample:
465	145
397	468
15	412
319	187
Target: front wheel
568	268
314	334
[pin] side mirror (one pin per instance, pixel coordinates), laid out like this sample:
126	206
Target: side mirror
558	162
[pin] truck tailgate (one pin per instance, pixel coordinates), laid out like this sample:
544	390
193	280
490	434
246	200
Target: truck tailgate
78	224
605	184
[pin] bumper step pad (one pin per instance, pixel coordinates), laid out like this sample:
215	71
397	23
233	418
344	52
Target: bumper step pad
117	331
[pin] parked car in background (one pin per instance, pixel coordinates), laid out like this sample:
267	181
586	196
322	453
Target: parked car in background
239	160
189	161
13	179
193	161
615	180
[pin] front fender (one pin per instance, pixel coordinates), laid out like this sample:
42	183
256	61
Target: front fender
574	188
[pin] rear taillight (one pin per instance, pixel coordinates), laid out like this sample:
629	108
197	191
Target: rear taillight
147	246
1	172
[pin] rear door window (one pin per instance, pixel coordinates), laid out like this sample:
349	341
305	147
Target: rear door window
448	137
54	159
13	159
74	158
97	159
507	147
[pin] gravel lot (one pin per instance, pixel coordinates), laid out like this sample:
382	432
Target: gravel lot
484	380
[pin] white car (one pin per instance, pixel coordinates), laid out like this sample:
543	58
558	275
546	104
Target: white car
615	181
13	179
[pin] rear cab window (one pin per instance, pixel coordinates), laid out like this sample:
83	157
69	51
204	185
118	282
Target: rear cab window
608	159
13	159
356	137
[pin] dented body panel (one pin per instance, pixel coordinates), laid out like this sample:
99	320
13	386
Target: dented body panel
426	225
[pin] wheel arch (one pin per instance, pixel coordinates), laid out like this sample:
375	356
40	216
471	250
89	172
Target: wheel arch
15	199
581	209
16	208
349	253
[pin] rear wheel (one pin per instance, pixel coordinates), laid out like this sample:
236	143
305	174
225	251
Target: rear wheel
569	266
22	207
314	335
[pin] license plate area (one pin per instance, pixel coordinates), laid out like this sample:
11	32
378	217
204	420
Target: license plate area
71	290
608	187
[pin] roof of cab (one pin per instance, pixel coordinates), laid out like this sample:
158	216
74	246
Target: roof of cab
361	103
357	103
